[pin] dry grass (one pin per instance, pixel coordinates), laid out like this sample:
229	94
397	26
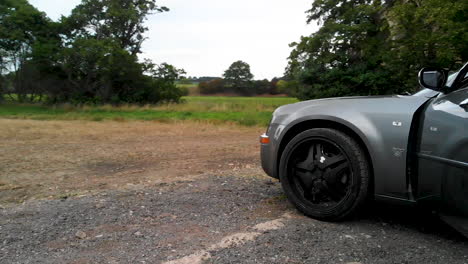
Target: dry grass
40	159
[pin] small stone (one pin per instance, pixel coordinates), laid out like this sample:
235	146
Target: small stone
138	234
80	235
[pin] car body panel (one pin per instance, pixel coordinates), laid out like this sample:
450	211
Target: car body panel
382	122
443	152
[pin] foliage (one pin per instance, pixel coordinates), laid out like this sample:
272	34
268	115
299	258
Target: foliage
89	57
367	47
288	87
250	88
238	77
184	90
427	33
238	80
212	87
119	20
262	87
188	88
27	38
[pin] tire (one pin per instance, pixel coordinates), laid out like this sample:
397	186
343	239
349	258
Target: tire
325	174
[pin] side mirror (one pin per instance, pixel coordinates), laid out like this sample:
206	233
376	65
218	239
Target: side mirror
433	79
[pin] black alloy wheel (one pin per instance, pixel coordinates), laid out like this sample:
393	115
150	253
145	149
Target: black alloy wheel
325	174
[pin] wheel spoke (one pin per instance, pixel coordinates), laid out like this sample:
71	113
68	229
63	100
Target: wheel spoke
318	151
331	174
306	164
333	161
302	165
305	180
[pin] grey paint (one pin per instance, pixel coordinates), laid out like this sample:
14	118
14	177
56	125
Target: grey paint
443	152
382	122
434	125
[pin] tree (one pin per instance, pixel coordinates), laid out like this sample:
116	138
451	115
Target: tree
261	86
27	42
367	47
99	56
212	87
288	87
100	52
121	20
98	71
238	77
89	57
160	86
427	33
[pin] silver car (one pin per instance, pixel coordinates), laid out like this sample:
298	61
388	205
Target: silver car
332	155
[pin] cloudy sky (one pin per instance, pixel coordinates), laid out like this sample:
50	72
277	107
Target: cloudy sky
205	36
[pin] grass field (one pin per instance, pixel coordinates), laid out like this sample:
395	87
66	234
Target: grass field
247	111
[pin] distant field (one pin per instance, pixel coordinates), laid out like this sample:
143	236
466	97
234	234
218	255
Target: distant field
191	87
249	111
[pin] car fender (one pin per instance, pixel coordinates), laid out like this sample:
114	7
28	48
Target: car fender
382	123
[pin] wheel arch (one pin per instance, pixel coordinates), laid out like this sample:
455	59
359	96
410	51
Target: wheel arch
323	123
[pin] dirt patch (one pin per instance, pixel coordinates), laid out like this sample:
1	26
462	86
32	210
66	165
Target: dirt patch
50	159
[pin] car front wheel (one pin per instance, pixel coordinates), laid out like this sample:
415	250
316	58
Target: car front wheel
325	174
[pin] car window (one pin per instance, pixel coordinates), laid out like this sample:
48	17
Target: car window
453	76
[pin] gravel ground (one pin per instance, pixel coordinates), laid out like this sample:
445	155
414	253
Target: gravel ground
230	218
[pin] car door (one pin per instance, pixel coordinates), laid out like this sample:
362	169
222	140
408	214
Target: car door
443	151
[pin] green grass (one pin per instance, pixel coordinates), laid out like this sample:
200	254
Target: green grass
249	111
186	85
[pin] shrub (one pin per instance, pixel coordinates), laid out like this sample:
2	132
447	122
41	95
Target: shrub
212	87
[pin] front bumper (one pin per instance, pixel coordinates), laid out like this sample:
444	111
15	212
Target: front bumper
269	151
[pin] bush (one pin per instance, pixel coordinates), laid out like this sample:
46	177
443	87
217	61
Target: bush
290	88
184	90
212	87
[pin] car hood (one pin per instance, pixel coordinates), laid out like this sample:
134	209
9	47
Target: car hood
347	106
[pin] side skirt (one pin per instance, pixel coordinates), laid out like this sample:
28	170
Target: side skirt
395	200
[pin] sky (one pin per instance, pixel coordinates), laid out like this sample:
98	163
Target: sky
204	37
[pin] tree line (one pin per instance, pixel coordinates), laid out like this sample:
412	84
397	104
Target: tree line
90	56
363	47
372	47
239	80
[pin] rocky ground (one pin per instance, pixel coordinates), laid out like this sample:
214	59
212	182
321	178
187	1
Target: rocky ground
136	192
